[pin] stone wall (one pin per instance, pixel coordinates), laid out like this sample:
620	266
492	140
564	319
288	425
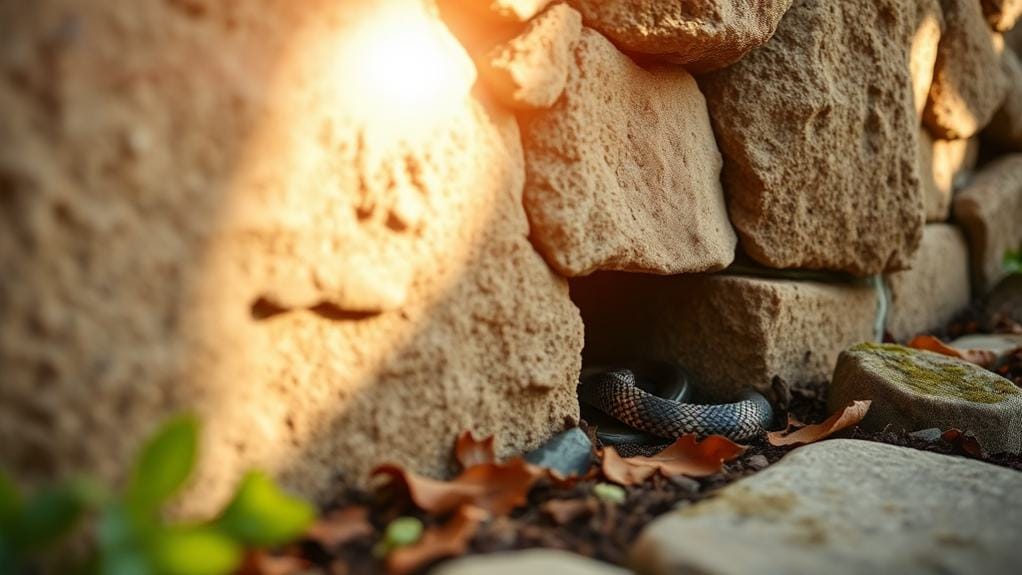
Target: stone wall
342	232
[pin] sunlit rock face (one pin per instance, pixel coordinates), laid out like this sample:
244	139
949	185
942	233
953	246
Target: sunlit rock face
295	219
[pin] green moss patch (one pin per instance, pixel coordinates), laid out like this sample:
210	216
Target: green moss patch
932	374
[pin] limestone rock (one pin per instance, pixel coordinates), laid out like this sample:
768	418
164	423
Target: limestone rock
702	36
510	10
1005	130
529	561
731	332
935	289
623	172
989	209
530	70
182	214
968	84
1002	14
1005	300
999	343
914	389
944	166
923	53
846	507
818	133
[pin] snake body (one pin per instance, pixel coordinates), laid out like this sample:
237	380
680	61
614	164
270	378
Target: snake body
617	393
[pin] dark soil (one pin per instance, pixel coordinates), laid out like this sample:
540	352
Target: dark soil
572	518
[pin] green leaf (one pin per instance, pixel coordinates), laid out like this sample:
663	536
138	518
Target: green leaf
10	501
403	531
1013	261
262	515
47	516
194	551
164	464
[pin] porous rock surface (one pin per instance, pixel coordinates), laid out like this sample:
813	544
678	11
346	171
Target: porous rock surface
914	389
328	279
623	171
531	70
989	209
1002	14
818	132
508	10
968	84
731	332
847	507
1005	130
928	295
702	35
923	52
528	561
944	165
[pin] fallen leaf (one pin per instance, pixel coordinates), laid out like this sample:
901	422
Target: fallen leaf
448	540
964	441
341	526
686	456
564	511
845	417
981	357
494	487
469	451
259	562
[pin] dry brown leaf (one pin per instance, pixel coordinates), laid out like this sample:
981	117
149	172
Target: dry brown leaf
964	441
448	540
340	526
469	451
564	511
259	562
845	417
981	357
494	487
686	456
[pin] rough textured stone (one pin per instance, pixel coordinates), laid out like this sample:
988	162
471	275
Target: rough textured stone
944	165
530	70
1005	299
1005	130
914	389
190	208
623	172
935	289
702	35
1002	14
989	209
532	561
819	138
999	343
923	54
732	332
509	10
968	84
846	507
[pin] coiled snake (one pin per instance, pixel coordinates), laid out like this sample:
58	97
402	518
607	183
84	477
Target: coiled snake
620	393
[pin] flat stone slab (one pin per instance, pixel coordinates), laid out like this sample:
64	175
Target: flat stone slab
847	506
913	389
535	561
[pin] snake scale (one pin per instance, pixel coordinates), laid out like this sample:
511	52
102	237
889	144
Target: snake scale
616	392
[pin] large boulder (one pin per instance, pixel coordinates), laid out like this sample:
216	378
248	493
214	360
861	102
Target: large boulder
818	132
702	36
527	561
732	332
623	172
968	84
944	165
846	507
930	294
923	54
913	389
230	213
1005	130
530	70
989	209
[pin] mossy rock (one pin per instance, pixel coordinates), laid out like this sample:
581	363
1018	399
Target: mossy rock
913	389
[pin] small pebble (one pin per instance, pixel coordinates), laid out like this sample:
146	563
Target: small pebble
609	493
931	435
686	484
756	462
